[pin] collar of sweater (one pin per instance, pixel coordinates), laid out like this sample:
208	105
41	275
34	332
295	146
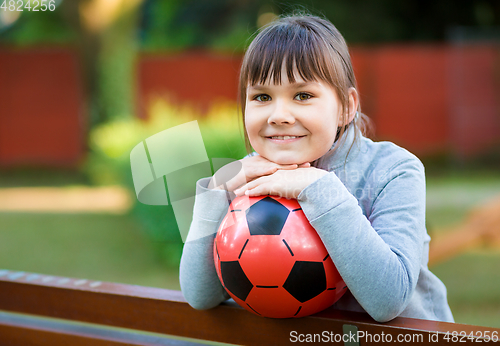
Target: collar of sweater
347	149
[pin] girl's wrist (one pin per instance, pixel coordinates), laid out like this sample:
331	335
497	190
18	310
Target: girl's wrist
212	186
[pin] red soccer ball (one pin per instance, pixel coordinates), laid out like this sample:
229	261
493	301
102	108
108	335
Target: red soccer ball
272	262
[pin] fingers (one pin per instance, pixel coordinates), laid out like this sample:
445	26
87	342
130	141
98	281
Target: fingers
256	187
226	175
262	186
236	174
283	183
287	167
266	185
259	191
255	167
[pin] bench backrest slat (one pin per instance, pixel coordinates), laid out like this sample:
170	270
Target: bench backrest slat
20	329
165	311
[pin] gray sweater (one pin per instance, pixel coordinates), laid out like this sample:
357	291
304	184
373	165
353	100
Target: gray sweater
369	212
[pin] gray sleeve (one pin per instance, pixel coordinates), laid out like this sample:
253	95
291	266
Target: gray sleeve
199	282
378	257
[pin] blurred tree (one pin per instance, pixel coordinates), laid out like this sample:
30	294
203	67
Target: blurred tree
107	31
214	24
365	21
227	24
24	28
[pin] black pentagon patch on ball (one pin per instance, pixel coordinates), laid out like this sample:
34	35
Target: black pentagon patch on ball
306	280
235	279
266	217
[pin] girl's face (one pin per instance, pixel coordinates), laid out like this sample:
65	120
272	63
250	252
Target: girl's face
292	122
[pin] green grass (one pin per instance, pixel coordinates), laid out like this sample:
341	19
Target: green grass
25	177
473	283
449	199
473	278
92	246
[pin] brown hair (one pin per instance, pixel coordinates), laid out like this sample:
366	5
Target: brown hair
310	46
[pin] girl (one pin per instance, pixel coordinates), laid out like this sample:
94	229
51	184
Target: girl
366	200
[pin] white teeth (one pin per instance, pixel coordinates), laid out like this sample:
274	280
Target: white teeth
284	137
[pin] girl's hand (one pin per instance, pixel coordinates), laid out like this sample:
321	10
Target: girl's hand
282	183
238	173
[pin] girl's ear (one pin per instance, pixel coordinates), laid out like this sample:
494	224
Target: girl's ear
353	104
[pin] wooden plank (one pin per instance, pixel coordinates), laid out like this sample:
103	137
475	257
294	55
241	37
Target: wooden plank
17	329
19	335
164	311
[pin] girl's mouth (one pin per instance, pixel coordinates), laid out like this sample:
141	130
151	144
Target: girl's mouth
284	139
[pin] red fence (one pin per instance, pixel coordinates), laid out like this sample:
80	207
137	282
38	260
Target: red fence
41	114
430	99
196	77
435	99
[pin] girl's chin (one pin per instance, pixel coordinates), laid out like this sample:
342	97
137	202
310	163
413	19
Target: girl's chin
287	159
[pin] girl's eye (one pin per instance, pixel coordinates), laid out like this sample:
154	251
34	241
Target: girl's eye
303	96
263	98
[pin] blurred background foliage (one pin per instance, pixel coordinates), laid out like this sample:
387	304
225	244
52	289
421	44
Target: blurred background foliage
110	34
226	24
191	23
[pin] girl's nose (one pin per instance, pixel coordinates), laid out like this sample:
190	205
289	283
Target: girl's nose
281	115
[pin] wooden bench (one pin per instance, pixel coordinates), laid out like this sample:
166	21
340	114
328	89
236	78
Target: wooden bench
47	310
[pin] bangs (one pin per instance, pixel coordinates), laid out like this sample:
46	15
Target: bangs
298	49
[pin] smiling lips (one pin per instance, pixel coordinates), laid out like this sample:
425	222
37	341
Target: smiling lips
284	139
